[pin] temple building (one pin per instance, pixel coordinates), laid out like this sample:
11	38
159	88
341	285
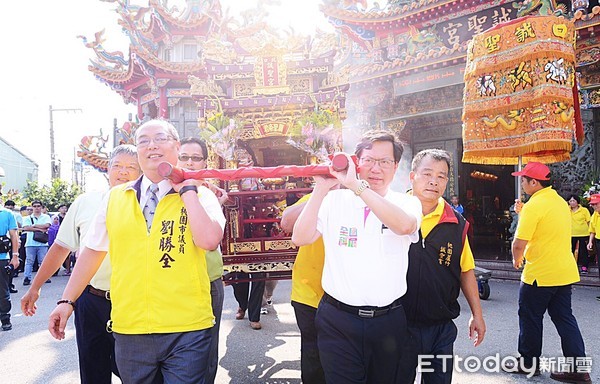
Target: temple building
398	65
199	68
407	62
258	96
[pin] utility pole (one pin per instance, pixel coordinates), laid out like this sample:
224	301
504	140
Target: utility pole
54	164
115	133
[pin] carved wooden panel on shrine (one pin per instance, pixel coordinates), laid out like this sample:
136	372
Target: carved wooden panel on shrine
253	240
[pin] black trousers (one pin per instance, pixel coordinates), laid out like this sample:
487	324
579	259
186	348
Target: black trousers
22	257
5	305
310	363
435	345
359	350
253	301
22	253
96	346
583	257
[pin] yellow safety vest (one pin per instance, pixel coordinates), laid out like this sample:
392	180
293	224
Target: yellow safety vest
159	280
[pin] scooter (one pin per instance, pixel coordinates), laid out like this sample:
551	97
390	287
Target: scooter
483	275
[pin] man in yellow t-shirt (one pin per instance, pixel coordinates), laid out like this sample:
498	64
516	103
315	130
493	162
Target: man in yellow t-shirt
549	272
306	294
580	231
594	225
440	266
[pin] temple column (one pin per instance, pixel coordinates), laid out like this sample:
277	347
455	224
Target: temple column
140	111
163	111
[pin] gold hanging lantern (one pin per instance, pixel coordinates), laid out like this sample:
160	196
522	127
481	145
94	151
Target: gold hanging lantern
519	88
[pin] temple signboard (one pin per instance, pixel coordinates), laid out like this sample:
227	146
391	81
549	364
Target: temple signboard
272	129
422	81
462	29
270	74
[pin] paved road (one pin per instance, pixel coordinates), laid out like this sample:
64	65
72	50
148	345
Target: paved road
271	355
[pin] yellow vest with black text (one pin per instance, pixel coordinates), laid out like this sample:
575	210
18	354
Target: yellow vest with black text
159	282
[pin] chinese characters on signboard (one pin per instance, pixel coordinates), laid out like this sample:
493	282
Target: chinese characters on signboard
462	29
423	81
270	71
272	129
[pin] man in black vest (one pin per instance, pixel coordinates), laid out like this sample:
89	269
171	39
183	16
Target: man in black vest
440	265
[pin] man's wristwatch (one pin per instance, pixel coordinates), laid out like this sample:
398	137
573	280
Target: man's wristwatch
364	184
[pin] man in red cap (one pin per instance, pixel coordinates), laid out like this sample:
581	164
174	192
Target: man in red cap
594	224
549	271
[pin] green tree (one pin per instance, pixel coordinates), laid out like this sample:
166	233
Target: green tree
14	195
59	192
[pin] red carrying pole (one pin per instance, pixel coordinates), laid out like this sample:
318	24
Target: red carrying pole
339	163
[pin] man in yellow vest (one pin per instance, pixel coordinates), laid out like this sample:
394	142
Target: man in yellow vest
95	346
156	233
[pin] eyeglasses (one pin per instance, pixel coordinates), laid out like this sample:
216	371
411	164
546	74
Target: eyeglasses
369	162
196	159
127	168
30	209
158	140
35	206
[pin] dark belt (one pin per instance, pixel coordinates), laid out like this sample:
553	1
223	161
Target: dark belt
98	292
366	312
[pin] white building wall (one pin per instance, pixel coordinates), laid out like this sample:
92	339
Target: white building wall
18	168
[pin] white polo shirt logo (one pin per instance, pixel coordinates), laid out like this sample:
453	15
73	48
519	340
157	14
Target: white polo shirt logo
348	237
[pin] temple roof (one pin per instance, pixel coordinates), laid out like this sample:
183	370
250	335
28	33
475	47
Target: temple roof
410	36
227	47
395	13
194	16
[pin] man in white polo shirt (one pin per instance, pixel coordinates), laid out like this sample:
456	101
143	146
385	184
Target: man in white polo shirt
367	230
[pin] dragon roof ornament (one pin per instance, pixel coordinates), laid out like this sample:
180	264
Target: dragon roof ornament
92	149
197	13
110	60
